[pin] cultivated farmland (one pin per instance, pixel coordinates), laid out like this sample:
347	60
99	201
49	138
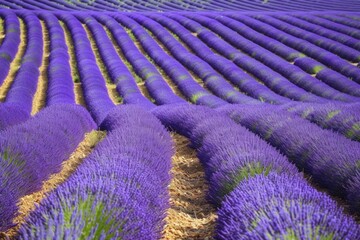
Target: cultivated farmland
169	119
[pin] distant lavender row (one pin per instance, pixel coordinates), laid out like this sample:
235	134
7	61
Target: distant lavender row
96	96
323	154
118	192
30	152
10	44
24	86
155	84
269	77
181	5
320	30
257	190
212	80
240	79
119	73
269	26
60	86
292	72
177	72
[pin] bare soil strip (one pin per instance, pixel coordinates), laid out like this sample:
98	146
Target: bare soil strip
190	215
79	95
2	30
114	96
28	203
15	64
39	100
120	53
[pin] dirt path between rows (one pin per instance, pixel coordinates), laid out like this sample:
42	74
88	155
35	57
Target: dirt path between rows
190	215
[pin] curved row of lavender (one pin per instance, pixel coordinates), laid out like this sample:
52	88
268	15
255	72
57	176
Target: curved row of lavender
273	80
330	158
291	72
258	192
120	189
212	80
170	66
311	66
233	73
24	85
31	151
181	5
342	118
60	87
10	44
156	85
18	102
119	73
95	92
178	74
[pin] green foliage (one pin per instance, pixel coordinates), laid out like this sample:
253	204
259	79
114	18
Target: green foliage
8	159
332	114
5	56
196	96
317	69
313	235
95	216
250	170
76	77
306	113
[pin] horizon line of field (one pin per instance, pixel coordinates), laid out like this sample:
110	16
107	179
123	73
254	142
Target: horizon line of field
199	5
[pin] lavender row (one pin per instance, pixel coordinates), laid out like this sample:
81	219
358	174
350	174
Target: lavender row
119	73
354	24
282	206
323	154
156	85
10	44
329	24
96	96
174	68
270	28
272	79
10	114
118	192
246	174
30	152
299	80
228	69
24	86
171	66
293	73
183	5
342	118
60	87
341	50
322	31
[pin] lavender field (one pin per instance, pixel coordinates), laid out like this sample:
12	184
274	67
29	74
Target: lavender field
169	119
